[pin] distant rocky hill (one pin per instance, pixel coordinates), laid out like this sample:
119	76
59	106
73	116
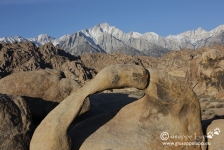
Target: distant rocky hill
176	63
25	56
108	39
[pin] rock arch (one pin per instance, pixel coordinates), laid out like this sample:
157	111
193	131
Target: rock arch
168	105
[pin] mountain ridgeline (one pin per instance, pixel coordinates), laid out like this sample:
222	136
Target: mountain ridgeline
108	39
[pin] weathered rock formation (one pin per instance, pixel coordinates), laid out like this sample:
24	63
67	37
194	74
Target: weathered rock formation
25	56
176	63
215	134
166	101
47	84
207	72
15	127
42	89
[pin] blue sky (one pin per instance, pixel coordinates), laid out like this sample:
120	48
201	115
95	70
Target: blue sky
29	18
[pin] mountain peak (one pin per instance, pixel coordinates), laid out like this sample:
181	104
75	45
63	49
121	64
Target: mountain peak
218	29
45	36
200	30
103	25
106	38
42	35
42	39
134	34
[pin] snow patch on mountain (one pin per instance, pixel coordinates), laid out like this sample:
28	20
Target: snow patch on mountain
106	38
13	39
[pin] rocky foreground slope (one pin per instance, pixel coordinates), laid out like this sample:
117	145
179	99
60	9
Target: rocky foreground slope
35	80
166	100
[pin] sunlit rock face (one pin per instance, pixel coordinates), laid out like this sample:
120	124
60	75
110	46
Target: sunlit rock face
206	74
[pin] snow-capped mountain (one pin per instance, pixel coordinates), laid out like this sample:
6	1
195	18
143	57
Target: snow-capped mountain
106	38
42	39
194	39
39	40
13	39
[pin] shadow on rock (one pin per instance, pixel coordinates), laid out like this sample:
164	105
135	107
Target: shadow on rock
67	55
39	108
103	108
206	123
